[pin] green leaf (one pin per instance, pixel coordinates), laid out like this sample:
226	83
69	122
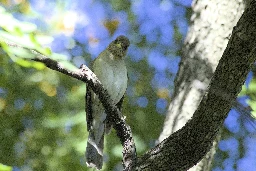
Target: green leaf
24	63
5	168
20	52
38	65
23	40
44	51
10	24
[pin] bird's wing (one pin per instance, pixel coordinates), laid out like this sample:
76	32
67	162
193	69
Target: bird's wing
88	103
88	108
119	104
108	125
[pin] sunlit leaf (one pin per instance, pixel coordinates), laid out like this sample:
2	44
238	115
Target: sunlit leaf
24	63
38	65
23	40
45	51
12	25
23	53
5	168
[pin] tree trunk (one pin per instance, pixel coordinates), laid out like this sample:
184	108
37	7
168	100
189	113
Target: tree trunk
207	38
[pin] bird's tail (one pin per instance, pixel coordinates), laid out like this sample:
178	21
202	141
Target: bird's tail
94	152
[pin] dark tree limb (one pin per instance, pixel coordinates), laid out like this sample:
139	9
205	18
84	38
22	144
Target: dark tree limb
187	146
87	76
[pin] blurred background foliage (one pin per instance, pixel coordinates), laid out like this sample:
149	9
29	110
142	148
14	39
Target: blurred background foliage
43	125
42	111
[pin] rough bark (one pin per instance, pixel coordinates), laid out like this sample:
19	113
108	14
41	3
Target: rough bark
207	38
187	146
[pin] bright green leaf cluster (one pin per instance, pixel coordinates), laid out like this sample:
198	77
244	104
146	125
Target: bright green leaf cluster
23	34
5	168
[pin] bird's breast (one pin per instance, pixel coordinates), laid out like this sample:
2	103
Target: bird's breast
113	76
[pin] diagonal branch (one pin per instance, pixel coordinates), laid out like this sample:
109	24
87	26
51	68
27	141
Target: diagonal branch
87	76
187	146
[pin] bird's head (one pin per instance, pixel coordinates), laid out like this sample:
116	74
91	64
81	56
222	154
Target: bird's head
119	46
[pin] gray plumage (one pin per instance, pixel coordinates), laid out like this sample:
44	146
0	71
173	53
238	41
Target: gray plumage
110	68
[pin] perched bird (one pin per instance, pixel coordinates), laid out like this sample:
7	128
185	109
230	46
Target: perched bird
110	69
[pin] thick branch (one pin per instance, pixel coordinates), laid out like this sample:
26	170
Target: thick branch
187	146
87	76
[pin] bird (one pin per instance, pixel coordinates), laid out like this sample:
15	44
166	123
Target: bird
111	71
